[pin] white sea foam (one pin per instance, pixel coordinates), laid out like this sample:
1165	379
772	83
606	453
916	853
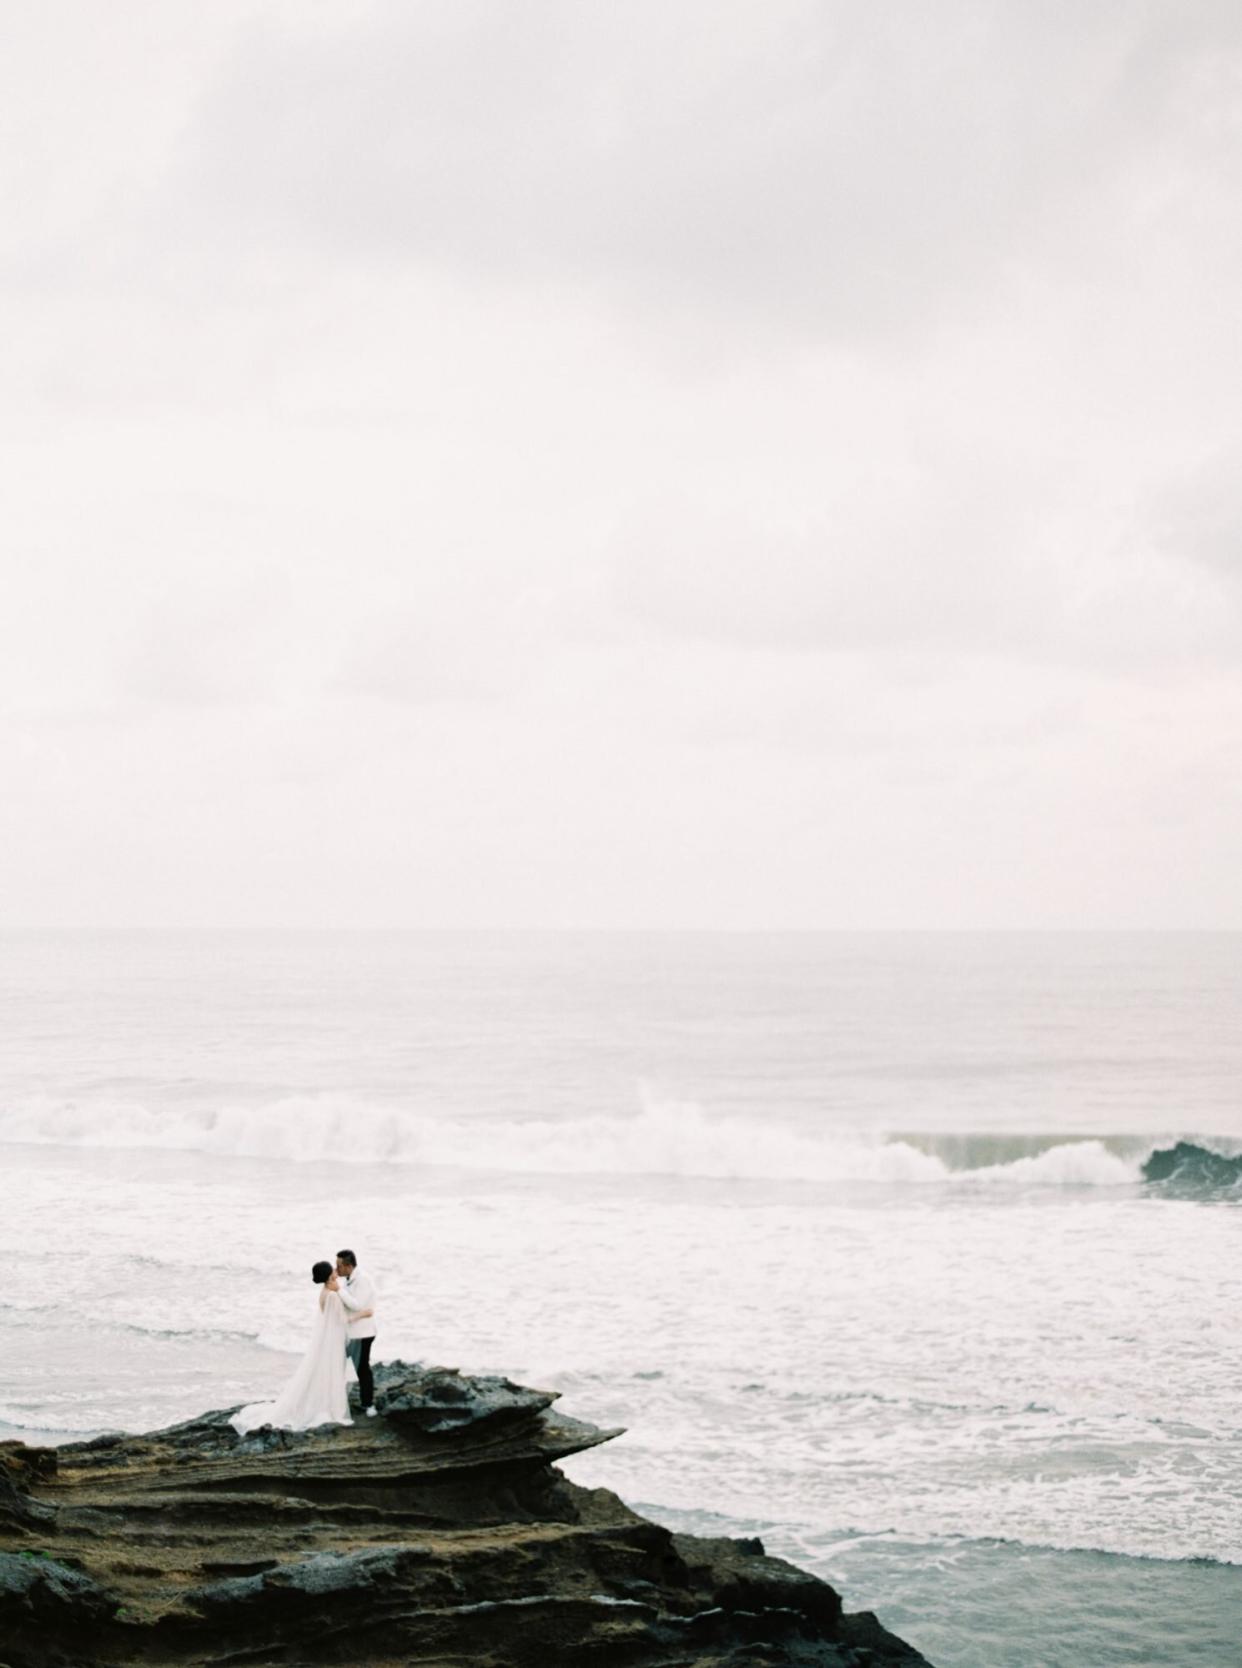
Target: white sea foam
1068	1164
663	1137
63	1422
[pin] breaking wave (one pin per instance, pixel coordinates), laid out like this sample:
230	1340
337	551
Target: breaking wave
1192	1169
663	1137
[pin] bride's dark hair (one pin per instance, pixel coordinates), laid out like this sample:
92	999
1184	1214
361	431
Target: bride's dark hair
321	1273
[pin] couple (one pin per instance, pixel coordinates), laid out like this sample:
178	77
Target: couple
344	1328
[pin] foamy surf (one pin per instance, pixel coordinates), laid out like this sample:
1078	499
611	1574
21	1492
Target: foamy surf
663	1137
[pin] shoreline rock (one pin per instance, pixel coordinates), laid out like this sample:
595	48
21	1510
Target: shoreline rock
439	1534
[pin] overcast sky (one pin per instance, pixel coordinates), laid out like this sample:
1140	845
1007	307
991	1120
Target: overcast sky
691	464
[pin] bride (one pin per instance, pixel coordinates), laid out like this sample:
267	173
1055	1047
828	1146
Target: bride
316	1394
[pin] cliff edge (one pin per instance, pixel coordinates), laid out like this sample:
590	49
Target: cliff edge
440	1533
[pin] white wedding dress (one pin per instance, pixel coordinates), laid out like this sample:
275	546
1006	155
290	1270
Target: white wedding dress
316	1394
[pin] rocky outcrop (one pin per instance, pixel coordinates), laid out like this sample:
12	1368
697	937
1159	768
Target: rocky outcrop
440	1533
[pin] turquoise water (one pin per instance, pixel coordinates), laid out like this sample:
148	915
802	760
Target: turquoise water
984	1604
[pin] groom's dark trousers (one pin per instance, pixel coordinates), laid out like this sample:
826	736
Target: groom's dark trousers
360	1355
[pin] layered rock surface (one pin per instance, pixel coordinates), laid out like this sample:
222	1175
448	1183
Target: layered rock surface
439	1534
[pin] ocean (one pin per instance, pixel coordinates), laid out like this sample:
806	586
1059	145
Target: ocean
852	1233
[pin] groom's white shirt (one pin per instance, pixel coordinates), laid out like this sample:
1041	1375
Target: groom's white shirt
358	1292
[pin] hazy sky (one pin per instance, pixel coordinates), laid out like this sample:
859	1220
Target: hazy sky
691	463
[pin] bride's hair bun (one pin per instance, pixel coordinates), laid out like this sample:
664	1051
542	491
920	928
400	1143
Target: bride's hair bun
321	1273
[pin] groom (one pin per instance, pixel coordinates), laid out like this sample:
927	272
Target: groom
358	1292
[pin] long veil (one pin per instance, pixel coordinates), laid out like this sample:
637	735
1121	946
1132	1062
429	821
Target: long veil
315	1393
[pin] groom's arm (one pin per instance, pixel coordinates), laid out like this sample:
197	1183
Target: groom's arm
361	1296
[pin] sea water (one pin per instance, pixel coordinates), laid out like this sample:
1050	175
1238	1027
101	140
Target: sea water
850	1233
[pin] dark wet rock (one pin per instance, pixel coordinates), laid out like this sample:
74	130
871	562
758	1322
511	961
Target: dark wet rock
743	1577
37	1590
441	1399
439	1534
19	1467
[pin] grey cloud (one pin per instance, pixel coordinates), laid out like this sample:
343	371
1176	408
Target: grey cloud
500	432
1198	518
423	658
845	165
970	579
207	650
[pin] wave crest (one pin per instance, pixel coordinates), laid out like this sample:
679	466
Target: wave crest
663	1137
1189	1168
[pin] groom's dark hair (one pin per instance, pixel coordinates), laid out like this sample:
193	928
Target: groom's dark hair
347	1257
321	1273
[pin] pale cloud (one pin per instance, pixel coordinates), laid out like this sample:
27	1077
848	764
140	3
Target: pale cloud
1198	518
838	168
714	464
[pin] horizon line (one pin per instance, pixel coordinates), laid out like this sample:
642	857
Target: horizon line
504	930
